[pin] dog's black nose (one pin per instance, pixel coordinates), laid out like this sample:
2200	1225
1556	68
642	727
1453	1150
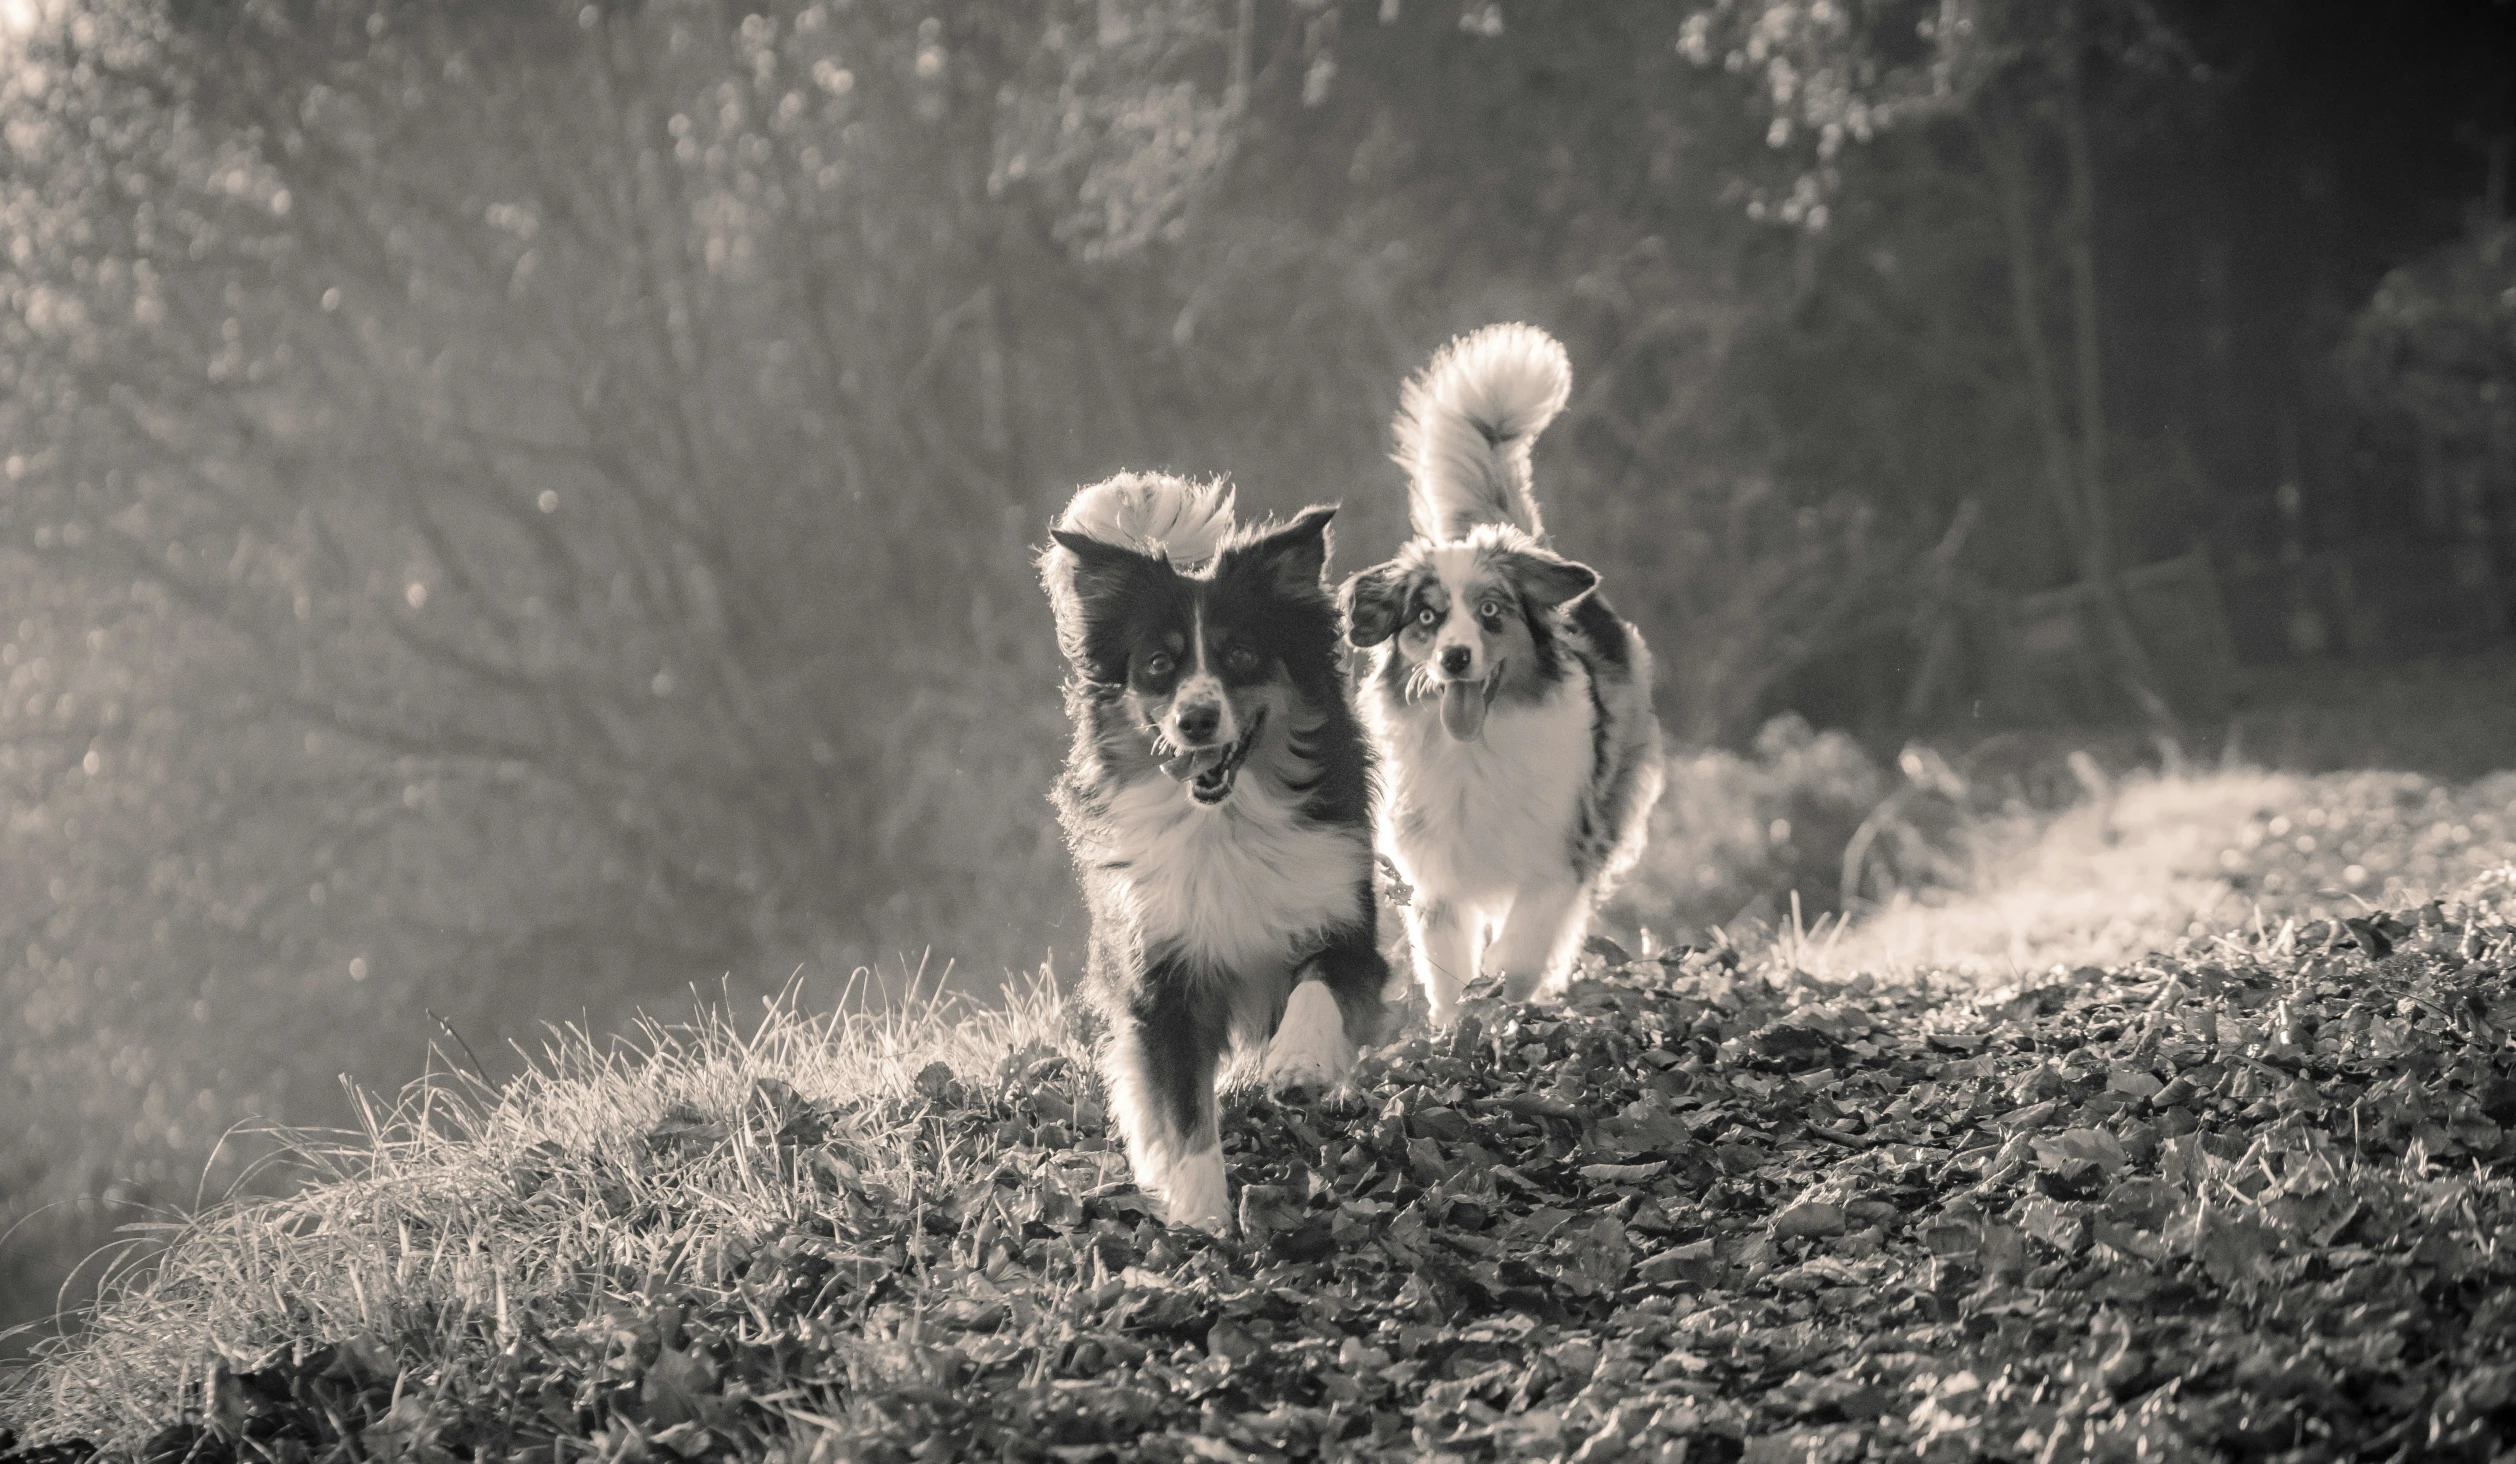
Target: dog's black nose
1454	660
1197	723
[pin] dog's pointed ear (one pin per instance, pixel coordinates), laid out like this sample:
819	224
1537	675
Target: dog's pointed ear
1374	602
1294	555
1550	581
1080	574
1096	564
1089	550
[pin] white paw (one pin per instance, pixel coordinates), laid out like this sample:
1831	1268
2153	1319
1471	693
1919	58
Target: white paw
1520	986
1310	1049
1194	1193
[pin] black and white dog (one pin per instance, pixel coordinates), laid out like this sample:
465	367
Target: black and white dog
1218	802
1519	753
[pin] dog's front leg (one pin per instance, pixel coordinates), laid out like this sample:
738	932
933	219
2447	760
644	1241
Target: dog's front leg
1446	936
1536	948
1163	1054
1335	1007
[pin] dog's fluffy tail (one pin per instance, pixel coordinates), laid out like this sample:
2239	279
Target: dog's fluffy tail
1154	513
1466	424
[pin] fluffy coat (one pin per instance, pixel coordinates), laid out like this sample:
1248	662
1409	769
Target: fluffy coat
1510	705
1217	802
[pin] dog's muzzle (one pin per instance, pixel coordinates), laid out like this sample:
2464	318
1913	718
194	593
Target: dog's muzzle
1210	772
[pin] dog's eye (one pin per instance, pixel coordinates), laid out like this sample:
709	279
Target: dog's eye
1240	658
1490	610
1157	666
1426	616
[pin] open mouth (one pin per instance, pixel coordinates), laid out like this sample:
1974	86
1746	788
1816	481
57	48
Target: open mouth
1464	703
1210	772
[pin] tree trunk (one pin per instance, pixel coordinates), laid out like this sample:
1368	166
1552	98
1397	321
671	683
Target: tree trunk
2079	250
2074	462
2012	190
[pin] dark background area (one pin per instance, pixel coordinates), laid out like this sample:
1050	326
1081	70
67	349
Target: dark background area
514	510
2339	145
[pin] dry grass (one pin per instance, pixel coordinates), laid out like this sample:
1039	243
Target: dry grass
455	1219
2160	858
2101	884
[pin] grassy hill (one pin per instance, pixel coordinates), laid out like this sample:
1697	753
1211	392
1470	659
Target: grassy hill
2211	1155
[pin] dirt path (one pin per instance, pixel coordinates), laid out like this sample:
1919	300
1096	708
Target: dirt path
2162	860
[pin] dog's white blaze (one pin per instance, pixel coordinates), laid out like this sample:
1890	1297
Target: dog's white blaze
1310	1048
1237	886
1474	822
1455	566
1200	685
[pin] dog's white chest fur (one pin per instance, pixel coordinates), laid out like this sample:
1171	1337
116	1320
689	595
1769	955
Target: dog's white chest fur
1240	887
1468	819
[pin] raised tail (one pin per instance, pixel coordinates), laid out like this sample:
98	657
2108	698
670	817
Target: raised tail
1154	513
1465	426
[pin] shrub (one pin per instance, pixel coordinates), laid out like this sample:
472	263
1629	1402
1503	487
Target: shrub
1737	832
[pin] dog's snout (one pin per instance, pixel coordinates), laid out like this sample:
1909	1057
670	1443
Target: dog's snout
1198	722
1454	660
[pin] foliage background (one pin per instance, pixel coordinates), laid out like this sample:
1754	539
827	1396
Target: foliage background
513	510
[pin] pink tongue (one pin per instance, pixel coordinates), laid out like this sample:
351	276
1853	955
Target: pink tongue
1463	709
1189	764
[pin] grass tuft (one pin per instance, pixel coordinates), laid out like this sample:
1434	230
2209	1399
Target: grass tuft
458	1219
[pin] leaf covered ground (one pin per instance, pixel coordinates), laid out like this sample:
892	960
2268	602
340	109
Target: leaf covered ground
2243	1199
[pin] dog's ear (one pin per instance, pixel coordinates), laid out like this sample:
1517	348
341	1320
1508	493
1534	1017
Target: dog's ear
1082	575
1094	568
1374	602
1294	556
1091	551
1547	580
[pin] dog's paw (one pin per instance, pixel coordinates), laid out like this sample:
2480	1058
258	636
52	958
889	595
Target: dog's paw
1520	986
1442	996
1194	1193
1310	1050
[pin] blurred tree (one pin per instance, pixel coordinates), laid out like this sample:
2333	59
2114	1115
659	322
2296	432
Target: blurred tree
2433	355
527	504
552	489
2023	83
533	396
